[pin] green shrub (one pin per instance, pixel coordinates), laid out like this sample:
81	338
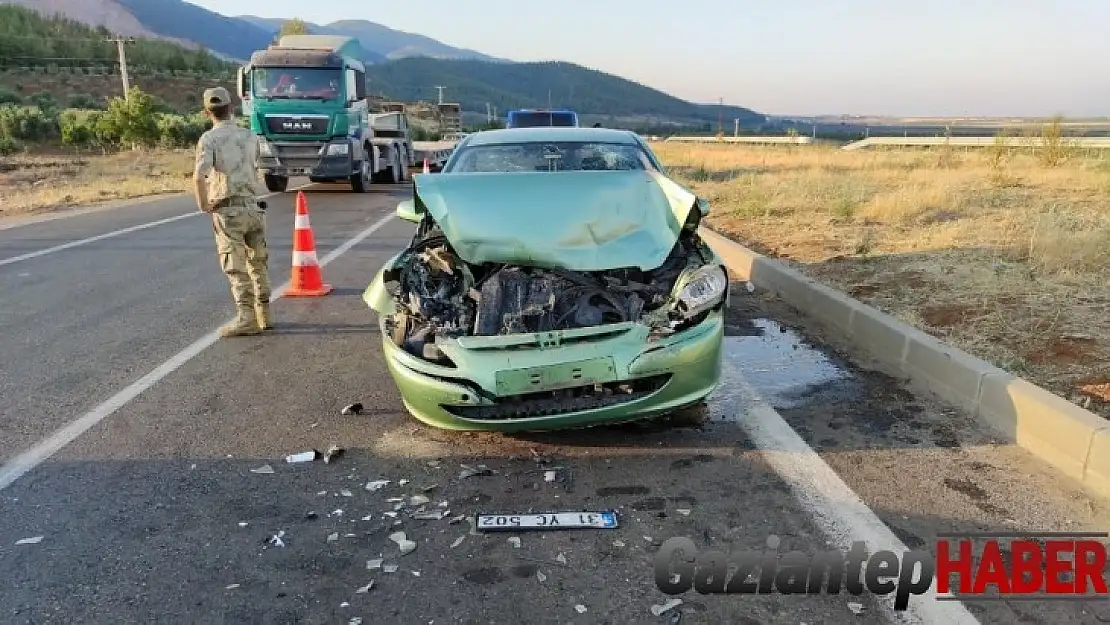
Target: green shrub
10	97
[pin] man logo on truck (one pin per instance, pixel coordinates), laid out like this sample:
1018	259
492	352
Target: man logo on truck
297	125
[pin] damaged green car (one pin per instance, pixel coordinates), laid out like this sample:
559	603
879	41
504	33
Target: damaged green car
556	280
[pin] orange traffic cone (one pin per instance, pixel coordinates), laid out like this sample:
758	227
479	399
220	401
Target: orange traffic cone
307	280
427	170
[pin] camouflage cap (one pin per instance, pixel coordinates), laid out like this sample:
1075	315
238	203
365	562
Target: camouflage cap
216	97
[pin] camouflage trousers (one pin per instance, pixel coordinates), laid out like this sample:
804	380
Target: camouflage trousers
241	245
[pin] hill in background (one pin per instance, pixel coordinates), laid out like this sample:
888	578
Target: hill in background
30	40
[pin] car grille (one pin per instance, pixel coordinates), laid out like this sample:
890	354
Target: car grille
289	125
293	155
565	401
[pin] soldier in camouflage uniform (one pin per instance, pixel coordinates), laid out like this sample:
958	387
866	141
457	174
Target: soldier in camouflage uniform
226	156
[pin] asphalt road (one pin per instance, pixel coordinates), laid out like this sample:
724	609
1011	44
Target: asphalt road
149	511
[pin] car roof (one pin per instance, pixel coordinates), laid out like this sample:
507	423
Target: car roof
541	134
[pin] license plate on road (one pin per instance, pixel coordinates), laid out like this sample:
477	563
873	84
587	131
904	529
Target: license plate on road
547	521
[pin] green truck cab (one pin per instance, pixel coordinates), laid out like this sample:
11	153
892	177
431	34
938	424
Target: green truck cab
306	100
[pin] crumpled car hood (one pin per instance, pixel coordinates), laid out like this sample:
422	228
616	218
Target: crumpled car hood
576	220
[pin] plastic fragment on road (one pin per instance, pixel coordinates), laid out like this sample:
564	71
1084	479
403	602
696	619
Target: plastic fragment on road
402	482
403	543
333	453
375	564
580	608
514	541
457	520
276	539
390	568
458	541
750	287
549	476
561	559
540	576
365	589
231	586
683	511
243	523
438	515
30	541
418	500
469	471
618	543
376	485
663	608
346	493
353	409
338	512
355	621
856	608
344	605
304	456
264	469
334	536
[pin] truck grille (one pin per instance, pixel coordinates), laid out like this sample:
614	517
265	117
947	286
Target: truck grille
292	125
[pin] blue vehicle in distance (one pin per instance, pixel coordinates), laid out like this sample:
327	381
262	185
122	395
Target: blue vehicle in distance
533	118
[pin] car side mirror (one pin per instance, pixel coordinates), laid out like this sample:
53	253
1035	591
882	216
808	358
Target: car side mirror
407	210
703	206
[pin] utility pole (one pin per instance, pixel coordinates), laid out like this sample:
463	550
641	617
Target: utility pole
441	94
120	42
736	127
721	116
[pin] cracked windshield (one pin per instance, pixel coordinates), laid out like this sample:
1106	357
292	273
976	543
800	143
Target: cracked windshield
470	313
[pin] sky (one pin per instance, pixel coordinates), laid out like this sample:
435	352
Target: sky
790	57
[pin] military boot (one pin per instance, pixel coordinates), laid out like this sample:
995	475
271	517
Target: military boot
262	313
245	324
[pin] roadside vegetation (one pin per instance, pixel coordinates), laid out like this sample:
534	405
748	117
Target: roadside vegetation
1000	251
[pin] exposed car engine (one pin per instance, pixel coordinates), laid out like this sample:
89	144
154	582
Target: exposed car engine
439	295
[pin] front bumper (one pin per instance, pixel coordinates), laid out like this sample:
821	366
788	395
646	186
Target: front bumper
308	158
621	377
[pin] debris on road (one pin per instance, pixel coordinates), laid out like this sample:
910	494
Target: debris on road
457	520
332	453
406	546
376	485
403	482
355	621
30	541
856	608
580	608
365	589
514	541
433	464
663	608
305	456
683	511
276	539
311	515
243	523
561	559
264	469
353	409
750	287
618	543
346	493
458	541
373	565
334	536
549	476
231	586
438	515
418	500
479	471
540	576
390	568
338	512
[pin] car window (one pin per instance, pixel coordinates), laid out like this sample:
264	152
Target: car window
556	156
540	118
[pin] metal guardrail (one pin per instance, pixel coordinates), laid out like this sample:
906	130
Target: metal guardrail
752	140
1015	142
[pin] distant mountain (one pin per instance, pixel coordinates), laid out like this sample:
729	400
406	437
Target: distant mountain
381	41
504	86
182	20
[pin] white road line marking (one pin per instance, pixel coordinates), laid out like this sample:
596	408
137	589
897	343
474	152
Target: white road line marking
108	235
834	507
31	458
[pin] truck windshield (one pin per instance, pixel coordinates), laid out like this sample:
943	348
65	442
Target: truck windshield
296	83
531	119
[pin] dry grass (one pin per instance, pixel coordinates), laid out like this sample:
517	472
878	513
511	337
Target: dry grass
992	250
37	184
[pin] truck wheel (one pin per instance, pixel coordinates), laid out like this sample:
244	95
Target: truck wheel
360	182
276	184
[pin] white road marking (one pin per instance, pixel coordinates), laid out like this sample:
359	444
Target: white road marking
34	456
834	507
114	233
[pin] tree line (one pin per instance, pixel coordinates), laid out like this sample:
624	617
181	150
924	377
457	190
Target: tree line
28	39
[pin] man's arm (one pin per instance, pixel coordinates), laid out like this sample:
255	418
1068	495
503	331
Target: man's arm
204	165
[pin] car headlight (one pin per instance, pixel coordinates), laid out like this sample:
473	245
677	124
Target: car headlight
338	149
704	289
264	148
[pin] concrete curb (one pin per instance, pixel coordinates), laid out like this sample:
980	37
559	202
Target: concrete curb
1072	439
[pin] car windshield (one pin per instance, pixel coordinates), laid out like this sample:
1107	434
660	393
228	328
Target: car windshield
540	118
296	83
555	156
